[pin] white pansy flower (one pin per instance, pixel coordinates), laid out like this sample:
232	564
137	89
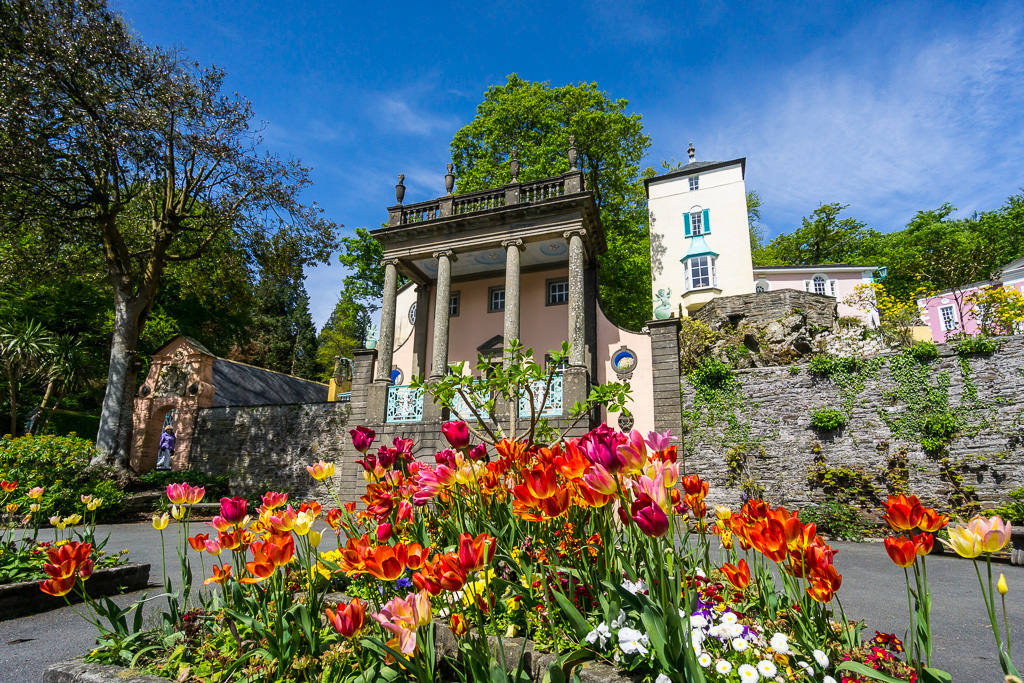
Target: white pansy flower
780	643
699	571
723	667
662	678
821	658
634	588
729	618
632	641
698	621
748	673
704	660
601	635
619	620
767	668
739	644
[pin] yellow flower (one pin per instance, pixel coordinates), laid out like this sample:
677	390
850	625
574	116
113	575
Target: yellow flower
160	521
314	538
86	499
73	519
93	504
177	511
964	542
33	508
722	512
321	470
303	521
1001	586
35	493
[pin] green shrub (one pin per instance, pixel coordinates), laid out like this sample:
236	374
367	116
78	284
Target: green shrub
827	419
712	374
1012	512
966	345
827	366
794	369
216	487
923	352
836	519
60	464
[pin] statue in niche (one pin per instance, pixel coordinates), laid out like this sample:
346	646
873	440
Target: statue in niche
664	308
172	381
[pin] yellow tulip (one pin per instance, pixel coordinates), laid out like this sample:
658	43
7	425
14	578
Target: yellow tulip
73	519
314	538
35	493
93	504
86	499
321	470
964	542
160	521
1001	586
303	521
177	511
34	508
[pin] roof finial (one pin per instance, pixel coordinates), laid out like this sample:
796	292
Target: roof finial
449	179
572	153
515	165
400	188
691	152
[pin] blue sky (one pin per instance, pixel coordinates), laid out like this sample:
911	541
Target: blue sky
889	108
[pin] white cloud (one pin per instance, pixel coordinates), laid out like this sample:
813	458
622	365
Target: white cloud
889	131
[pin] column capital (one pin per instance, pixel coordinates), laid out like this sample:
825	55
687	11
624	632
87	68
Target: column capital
389	262
575	232
514	243
447	253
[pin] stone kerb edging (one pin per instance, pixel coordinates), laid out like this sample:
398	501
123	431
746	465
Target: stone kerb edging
20	599
535	665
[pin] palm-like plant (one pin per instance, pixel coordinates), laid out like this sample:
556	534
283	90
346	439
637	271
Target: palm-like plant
64	370
23	346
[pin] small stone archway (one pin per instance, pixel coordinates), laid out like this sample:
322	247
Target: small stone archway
179	380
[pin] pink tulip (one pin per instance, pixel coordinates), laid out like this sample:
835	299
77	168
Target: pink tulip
273	500
478	452
232	509
457	433
600	446
633	453
445	457
213	547
220	524
176	493
383	533
651	519
601	480
994	532
659	442
194	494
362	438
404	511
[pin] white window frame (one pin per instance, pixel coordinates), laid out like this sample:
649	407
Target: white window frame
950	322
694	182
491	308
454	304
562	295
712	273
696	222
823	281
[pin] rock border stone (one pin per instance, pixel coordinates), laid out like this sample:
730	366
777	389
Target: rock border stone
79	671
24	598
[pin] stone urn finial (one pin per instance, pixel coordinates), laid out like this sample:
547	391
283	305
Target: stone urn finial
691	151
449	179
515	165
400	188
573	157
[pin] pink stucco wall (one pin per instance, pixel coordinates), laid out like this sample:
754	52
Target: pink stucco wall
845	284
610	339
931	312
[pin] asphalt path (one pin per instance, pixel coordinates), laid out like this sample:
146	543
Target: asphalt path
873	590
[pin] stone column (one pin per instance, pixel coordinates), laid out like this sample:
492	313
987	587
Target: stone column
577	351
512	251
419	344
439	365
668	403
387	322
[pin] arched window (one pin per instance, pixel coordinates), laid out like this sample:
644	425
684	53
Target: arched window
762	286
820	283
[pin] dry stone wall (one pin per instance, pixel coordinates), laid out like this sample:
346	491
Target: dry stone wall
765	437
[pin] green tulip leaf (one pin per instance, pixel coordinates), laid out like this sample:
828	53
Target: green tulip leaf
930	675
865	670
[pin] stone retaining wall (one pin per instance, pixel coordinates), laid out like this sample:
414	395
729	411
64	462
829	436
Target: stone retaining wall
19	599
782	448
765	307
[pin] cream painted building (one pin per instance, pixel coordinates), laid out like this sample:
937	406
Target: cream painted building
700	238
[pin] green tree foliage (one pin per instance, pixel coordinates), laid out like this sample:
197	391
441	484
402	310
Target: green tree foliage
282	336
537	119
823	237
362	254
754	222
139	151
343	332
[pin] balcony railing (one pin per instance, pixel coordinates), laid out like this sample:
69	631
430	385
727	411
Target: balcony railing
478	201
405	404
552	406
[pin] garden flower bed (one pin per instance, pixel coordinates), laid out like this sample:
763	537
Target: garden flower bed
597	550
23	598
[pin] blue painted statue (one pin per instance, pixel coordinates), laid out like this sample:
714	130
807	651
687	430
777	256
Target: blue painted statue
664	309
371	336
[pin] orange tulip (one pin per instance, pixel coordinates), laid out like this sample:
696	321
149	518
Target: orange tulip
931	521
695	487
903	513
739	575
901	550
824	584
923	543
198	542
348	620
476	553
458	624
57	587
416	556
260	568
8	487
384	564
220	574
449	572
771	542
572	464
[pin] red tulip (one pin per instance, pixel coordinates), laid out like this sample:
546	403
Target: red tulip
902	513
457	433
362	438
649	516
232	509
931	521
476	553
348	620
198	542
901	550
923	543
8	487
478	452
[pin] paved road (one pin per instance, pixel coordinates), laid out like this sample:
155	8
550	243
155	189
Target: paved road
873	590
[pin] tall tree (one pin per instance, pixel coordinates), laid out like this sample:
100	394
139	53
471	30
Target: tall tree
362	255
537	119
823	237
23	349
139	150
282	336
343	332
754	223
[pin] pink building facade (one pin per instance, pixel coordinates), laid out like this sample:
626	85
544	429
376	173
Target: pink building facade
949	313
838	280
